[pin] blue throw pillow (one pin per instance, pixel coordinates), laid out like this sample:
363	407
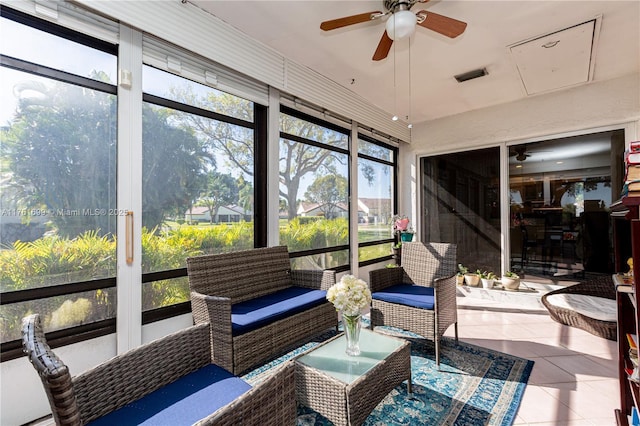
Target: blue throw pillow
408	295
183	402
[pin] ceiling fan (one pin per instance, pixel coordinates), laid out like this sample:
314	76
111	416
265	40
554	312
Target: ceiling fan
521	153
401	23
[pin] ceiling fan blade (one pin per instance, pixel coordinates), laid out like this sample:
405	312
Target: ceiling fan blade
442	24
383	47
348	20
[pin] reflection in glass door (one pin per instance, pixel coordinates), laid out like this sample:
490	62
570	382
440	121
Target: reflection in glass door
560	192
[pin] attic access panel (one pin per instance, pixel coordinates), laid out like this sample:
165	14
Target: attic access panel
556	60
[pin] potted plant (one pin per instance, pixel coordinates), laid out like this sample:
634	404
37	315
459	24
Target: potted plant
470	278
460	275
406	235
487	278
510	280
400	223
397	252
402	229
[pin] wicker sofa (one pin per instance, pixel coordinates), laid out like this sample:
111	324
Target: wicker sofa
256	305
171	380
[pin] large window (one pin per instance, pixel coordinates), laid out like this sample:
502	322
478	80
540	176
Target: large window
57	176
198	174
314	191
376	198
204	176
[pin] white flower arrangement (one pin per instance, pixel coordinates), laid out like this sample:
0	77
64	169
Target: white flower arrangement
349	295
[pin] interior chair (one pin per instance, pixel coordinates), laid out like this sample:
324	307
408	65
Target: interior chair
420	295
172	380
529	243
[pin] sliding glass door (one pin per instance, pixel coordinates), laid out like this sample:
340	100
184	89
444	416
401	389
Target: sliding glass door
560	192
461	205
559	195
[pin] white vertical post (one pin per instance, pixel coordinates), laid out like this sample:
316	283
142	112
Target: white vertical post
505	209
353	185
129	189
273	173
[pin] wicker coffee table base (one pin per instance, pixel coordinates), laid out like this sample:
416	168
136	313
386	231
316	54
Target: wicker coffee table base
351	403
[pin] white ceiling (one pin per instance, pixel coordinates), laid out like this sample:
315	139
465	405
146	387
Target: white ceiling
427	89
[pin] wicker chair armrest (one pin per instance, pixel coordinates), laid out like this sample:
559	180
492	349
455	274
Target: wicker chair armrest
211	309
382	278
216	311
316	279
55	375
271	401
445	288
446	304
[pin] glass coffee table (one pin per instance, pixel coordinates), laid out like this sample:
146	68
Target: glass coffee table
345	389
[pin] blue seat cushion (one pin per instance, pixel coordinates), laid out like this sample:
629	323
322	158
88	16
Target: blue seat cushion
183	402
255	313
408	295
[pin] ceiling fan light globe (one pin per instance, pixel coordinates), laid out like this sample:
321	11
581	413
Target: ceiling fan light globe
401	24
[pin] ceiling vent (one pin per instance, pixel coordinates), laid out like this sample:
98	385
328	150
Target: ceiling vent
557	60
470	75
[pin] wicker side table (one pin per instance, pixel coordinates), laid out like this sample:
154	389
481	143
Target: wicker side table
345	389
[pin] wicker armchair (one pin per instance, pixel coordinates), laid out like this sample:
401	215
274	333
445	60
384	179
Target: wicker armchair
599	286
420	295
221	286
107	389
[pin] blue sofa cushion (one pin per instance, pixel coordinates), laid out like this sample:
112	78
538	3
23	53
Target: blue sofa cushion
183	402
255	313
408	295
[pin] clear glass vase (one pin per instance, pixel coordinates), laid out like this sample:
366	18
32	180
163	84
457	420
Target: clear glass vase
352	325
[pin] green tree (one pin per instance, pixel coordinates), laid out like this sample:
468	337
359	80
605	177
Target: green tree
328	191
299	159
245	195
236	143
175	164
61	150
221	190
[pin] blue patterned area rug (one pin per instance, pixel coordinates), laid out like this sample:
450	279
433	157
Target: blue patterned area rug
475	386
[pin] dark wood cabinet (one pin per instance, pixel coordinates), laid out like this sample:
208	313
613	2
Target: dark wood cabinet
625	216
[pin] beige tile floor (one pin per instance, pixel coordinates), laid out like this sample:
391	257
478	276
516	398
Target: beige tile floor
574	378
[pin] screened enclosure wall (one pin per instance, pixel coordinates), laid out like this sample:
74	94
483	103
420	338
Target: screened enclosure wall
461	205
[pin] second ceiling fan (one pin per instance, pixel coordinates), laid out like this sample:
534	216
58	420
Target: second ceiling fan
401	23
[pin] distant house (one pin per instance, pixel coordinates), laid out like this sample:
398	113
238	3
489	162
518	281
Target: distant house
198	214
370	210
374	210
225	214
315	209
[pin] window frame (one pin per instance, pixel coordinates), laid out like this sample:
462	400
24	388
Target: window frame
331	126
394	192
13	349
259	127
